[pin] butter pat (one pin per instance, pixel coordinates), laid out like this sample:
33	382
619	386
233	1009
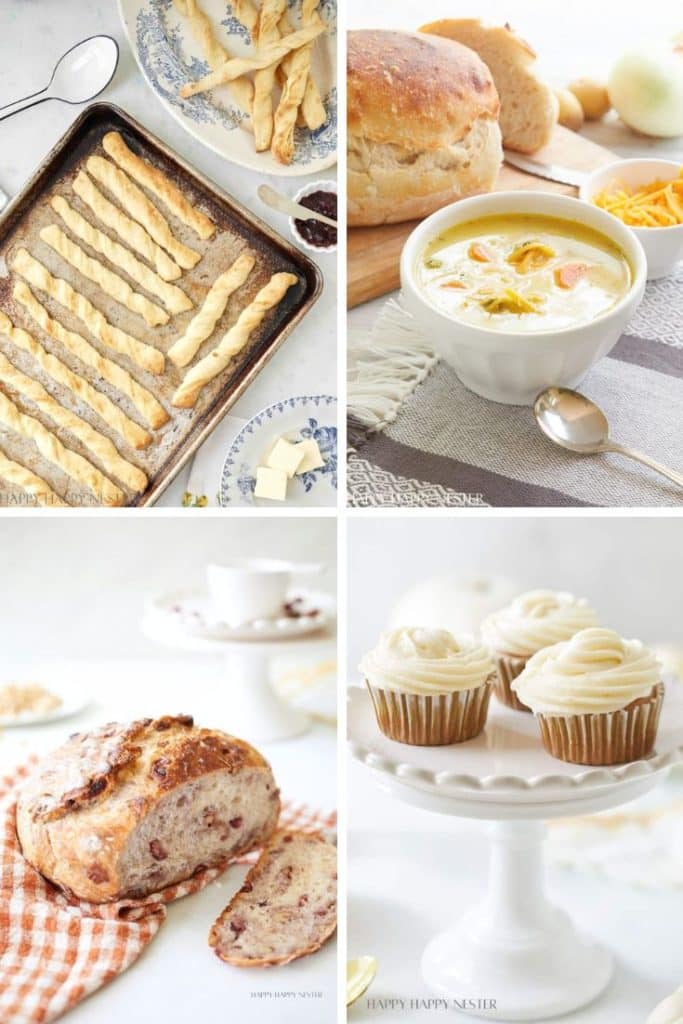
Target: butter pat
271	483
311	457
286	457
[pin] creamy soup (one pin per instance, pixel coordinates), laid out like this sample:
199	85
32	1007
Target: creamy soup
522	272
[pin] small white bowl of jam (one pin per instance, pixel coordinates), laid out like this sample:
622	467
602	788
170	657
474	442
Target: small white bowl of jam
319	196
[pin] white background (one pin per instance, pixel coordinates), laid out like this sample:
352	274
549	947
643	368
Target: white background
631	569
33	35
72	594
76	588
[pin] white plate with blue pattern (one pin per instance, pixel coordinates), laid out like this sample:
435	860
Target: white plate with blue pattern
169	56
295	419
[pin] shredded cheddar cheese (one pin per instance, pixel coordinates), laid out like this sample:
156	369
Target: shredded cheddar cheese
657	205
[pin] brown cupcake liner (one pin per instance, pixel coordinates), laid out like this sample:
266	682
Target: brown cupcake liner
603	739
432	721
508	668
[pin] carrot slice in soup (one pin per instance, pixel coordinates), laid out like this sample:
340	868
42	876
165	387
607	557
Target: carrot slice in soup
569	274
480	252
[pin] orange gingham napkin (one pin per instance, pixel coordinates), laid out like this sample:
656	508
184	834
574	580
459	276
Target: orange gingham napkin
54	952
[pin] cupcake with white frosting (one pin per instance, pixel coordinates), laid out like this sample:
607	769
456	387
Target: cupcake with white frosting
596	697
428	688
531	622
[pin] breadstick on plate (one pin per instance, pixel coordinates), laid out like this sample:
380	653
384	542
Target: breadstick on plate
174	299
216	54
157	182
29	483
264	80
246	12
144	402
238	66
132	233
100	446
233	342
61	291
52	449
60	372
202	324
141	209
110	283
298	67
311	113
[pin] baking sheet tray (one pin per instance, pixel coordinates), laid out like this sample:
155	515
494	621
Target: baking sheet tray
237	229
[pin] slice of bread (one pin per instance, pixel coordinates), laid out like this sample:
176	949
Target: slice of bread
287	907
528	108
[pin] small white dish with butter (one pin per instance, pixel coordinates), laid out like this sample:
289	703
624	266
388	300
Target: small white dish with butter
286	454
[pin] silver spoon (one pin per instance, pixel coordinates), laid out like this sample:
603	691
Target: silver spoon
80	74
284	205
574	422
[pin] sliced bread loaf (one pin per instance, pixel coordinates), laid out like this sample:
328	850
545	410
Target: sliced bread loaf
528	108
287	907
126	810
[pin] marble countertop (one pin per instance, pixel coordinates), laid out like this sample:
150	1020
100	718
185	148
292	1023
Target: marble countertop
38	33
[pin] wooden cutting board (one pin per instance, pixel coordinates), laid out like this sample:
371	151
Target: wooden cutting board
373	254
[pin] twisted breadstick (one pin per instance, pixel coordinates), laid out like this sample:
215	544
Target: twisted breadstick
100	446
110	283
174	299
233	342
131	233
238	66
203	323
144	402
158	183
245	12
29	483
216	55
297	66
57	288
312	111
264	80
135	202
99	403
52	449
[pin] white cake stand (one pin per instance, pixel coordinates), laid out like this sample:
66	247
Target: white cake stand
515	956
254	710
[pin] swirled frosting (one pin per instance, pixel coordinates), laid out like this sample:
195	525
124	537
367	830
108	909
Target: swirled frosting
426	662
534	620
594	672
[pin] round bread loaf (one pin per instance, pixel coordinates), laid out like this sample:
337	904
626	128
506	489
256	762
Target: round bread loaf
422	125
126	810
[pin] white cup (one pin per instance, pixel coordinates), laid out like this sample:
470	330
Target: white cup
251	588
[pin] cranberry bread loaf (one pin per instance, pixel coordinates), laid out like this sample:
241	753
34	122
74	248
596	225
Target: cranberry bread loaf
128	809
287	907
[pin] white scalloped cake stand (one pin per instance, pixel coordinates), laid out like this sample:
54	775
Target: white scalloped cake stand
515	948
252	707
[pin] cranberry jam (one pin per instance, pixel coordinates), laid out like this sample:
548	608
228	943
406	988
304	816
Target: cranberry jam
322	236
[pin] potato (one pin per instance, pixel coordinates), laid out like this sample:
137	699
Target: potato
592	96
570	110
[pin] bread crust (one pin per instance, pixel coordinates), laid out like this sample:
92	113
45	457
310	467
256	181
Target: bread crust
250	881
528	111
387	184
78	811
409	90
422	126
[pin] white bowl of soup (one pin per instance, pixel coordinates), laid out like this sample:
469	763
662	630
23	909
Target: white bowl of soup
520	291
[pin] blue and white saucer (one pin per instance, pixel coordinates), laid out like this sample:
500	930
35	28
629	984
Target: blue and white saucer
169	56
306	416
